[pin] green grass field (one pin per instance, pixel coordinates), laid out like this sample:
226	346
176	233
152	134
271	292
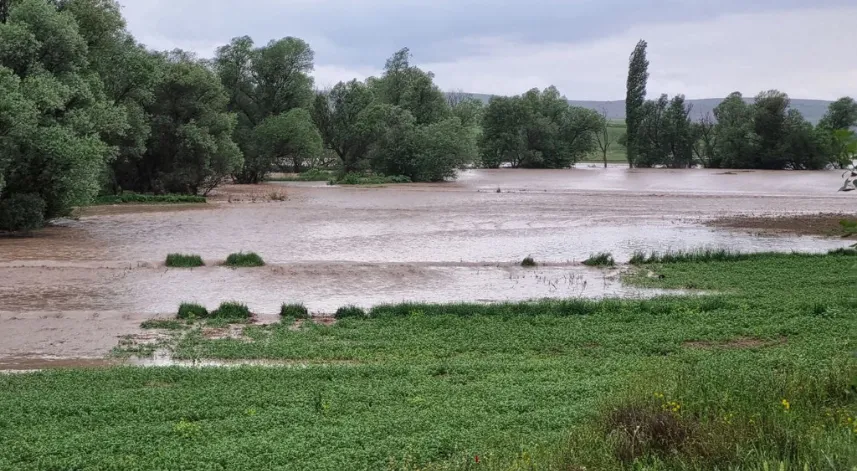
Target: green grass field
756	376
616	153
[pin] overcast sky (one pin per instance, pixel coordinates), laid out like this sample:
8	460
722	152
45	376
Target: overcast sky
702	48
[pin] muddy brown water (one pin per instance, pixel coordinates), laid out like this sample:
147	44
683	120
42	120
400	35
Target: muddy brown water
74	288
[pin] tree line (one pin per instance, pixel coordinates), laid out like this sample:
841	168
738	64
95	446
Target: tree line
85	109
764	134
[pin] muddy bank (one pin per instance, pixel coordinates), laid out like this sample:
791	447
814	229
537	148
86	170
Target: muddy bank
823	225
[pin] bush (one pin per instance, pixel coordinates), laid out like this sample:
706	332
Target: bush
241	259
22	212
232	311
350	312
295	311
178	260
528	262
638	258
192	311
603	259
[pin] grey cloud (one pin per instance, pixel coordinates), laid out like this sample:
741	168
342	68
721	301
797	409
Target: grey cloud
364	33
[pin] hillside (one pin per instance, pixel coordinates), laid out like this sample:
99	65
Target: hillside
812	110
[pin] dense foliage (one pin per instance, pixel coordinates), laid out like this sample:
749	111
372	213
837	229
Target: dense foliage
538	129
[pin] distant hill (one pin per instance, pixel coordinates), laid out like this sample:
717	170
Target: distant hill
812	110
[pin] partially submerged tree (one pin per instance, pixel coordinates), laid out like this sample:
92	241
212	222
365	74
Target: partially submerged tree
635	98
262	83
603	138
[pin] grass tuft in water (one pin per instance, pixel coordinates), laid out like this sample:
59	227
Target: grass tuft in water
294	311
232	310
602	259
244	260
528	262
350	312
178	260
192	311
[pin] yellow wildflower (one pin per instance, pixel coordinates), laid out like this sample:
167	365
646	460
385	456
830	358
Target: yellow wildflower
786	404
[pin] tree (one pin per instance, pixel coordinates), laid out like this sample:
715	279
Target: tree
736	142
841	114
289	140
705	142
190	149
679	137
603	138
261	83
769	127
54	112
537	130
638	77
503	132
344	117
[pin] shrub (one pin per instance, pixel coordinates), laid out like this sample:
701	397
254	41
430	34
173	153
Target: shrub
603	259
638	258
296	311
192	311
178	260
22	212
241	259
232	311
350	312
528	262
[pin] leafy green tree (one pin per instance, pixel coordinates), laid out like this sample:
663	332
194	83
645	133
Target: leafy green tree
769	126
736	141
705	142
412	89
803	147
347	122
262	83
290	140
129	74
841	114
537	130
502	138
190	149
635	98
54	111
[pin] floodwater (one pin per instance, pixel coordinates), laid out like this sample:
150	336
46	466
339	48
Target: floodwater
74	288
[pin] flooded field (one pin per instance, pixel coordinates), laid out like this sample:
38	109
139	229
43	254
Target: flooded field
74	288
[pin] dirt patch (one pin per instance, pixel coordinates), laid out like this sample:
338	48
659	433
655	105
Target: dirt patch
826	225
738	343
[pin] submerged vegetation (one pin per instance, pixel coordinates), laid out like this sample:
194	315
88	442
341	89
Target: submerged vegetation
231	310
184	261
147	199
244	260
192	311
602	259
353	178
294	311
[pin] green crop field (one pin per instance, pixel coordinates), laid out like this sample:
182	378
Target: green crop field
616	153
758	375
